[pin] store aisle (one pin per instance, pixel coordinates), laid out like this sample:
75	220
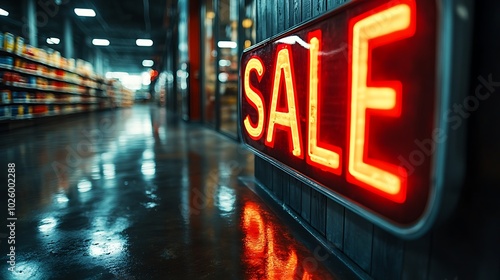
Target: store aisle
127	195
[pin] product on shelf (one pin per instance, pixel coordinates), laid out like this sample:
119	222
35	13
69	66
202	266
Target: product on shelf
42	83
32	81
5	96
40	109
4	112
30	66
40	96
63	63
18	63
71	64
29	50
6	61
50	97
19	48
8	42
19	97
5	76
60	73
21	110
57	59
57	85
14	79
41	69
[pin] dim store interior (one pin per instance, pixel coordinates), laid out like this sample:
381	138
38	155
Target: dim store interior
121	119
136	51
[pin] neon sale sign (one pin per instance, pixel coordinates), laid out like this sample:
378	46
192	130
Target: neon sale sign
340	102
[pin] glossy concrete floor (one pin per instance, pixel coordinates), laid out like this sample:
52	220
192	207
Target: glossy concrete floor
128	194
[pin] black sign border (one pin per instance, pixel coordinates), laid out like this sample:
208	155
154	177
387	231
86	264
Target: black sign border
454	31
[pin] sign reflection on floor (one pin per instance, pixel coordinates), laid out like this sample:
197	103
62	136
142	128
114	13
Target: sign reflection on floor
267	252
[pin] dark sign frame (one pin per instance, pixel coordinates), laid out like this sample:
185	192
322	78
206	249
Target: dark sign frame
448	160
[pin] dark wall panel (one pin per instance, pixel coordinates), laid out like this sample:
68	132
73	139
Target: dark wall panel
318	7
271	19
295	195
261	21
306	9
335	223
306	202
286	188
296	11
280	10
330	4
387	255
287	22
278	181
358	238
318	211
416	259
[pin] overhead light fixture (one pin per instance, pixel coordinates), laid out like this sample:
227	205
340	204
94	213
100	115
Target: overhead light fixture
227	44
144	42
147	63
100	42
53	41
84	12
3	12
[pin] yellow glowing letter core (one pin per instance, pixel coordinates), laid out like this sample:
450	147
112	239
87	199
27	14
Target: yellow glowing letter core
288	119
363	97
255	131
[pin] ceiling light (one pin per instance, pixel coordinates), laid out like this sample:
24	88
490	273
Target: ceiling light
53	41
84	12
100	42
147	63
144	42
226	44
3	12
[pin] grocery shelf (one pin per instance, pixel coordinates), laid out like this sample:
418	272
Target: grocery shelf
45	76
41	102
28	87
32	116
43	63
37	83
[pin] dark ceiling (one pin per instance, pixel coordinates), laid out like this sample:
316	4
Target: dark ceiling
119	21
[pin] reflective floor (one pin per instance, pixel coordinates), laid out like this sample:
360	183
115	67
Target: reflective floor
128	194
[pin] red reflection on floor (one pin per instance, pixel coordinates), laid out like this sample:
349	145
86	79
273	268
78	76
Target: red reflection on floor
277	268
307	276
267	252
253	226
